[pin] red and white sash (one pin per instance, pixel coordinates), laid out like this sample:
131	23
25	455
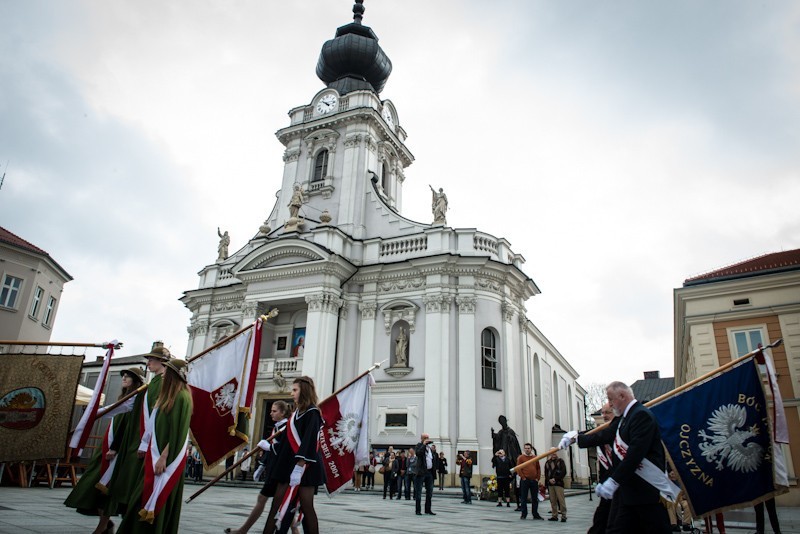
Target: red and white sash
604	456
106	466
147	424
648	471
157	488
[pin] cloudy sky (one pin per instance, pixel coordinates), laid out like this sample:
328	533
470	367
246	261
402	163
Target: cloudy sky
620	146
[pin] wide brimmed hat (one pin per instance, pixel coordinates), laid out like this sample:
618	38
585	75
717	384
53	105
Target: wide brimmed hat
134	372
179	366
159	353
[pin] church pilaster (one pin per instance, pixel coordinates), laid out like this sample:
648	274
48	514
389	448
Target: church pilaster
467	365
510	365
320	342
437	363
366	345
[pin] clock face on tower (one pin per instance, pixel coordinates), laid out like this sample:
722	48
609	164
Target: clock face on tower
327	103
387	116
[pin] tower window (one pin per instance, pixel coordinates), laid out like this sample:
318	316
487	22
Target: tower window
385	178
320	166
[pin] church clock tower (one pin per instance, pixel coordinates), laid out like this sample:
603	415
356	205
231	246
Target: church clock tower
356	282
346	142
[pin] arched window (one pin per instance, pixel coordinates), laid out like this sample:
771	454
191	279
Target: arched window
556	403
569	407
489	359
537	385
320	166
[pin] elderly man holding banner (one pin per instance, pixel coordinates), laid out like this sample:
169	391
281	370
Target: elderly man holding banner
638	465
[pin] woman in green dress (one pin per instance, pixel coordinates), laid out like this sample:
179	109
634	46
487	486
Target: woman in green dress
155	505
90	495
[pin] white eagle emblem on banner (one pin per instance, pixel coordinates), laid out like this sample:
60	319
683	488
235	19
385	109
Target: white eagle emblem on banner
224	396
345	438
726	442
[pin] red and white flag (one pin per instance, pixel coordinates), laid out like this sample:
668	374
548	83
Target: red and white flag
222	383
344	438
84	428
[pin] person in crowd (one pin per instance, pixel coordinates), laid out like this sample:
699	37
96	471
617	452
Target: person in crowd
244	467
411	473
502	467
423	474
229	475
90	495
465	473
441	470
554	472
299	463
390	468
402	472
529	482
161	482
198	466
278	412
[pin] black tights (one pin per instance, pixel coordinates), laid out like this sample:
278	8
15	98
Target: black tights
305	495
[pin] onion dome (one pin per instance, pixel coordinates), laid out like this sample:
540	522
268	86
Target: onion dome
353	60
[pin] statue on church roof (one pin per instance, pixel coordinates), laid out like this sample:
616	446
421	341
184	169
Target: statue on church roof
296	201
438	206
222	248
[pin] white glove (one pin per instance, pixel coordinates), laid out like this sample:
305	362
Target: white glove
264	445
568	439
258	473
297	474
607	489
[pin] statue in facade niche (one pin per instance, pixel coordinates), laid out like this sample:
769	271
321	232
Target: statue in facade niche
296	201
222	248
506	439
401	349
438	206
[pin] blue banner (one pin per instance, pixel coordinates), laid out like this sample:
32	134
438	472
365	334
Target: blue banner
718	436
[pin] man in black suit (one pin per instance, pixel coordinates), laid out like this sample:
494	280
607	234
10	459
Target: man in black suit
635	439
423	474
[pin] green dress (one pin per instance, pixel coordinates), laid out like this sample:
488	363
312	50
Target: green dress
126	475
170	428
86	497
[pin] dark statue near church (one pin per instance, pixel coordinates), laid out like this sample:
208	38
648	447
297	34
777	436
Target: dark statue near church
506	439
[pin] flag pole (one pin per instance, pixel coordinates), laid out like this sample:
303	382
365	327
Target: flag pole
231	468
220	342
106	409
117	346
669	394
274	434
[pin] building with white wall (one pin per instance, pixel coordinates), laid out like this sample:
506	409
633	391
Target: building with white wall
351	275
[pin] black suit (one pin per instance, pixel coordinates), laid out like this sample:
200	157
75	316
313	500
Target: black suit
601	514
636	506
424	477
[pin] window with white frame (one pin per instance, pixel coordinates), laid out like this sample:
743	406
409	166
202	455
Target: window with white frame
320	166
488	360
746	340
10	292
37	302
48	312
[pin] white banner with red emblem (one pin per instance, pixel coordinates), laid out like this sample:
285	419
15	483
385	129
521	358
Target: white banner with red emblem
222	382
82	431
344	439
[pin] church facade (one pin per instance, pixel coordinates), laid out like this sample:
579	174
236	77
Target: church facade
355	283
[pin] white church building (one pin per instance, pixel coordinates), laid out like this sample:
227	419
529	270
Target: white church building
356	282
